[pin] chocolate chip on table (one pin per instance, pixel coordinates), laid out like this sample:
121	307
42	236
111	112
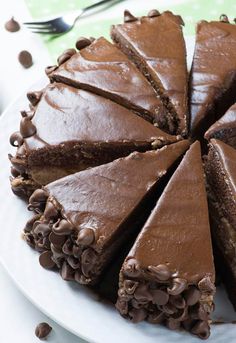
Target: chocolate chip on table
25	59
42	330
12	25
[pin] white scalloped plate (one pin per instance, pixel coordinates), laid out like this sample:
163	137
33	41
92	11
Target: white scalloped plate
73	306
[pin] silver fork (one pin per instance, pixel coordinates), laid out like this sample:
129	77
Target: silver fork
65	22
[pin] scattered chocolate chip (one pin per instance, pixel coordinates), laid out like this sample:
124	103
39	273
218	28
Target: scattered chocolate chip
201	329
142	294
122	306
161	272
66	55
57	240
45	260
172	324
88	260
130	286
34	97
156	317
128	17
25	59
68	247
85	237
38	197
178	301
12	25
27	128
159	297
192	296
224	18
67	273
137	315
42	330
50	211
16	139
206	285
178	286
41	229
73	262
131	267
14	172
29	224
154	13
62	227
50	69
83	42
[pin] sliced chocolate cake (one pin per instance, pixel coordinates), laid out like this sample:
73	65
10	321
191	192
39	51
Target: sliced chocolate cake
221	180
84	218
213	74
156	45
103	69
225	128
168	276
71	130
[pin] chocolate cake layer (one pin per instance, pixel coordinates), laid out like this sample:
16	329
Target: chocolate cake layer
168	276
225	128
213	74
103	69
71	130
89	215
221	180
156	45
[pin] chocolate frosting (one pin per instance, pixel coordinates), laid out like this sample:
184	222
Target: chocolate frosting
157	43
102	198
105	70
67	114
213	74
177	233
225	128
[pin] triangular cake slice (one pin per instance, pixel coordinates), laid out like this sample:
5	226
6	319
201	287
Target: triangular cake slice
103	69
71	130
91	214
221	179
225	128
156	44
213	74
168	276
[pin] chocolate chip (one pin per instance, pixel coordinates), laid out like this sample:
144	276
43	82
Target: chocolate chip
122	306
34	97
169	309
131	267
172	324
57	240
161	272
66	55
154	13
159	297
178	301
206	285
30	223
25	59
37	200
137	315
82	42
85	237
88	260
181	315
201	329
73	262
12	25
188	324
50	69
67	273
224	18
192	296
41	229
62	227
142	294
50	211
156	317
130	286
45	260
198	312
14	172
178	286
16	139
42	330
128	17
68	247
27	128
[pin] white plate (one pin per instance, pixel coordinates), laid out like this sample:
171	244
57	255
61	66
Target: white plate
73	306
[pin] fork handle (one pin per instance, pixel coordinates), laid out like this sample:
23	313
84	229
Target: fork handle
99	3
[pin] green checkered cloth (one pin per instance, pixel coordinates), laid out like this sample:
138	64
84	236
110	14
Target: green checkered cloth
190	10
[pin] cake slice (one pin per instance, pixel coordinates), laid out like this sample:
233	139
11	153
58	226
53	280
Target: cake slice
225	128
71	130
221	179
91	214
213	74
156	45
168	276
103	69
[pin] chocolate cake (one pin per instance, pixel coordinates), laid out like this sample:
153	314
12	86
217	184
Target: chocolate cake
168	276
225	128
70	130
156	45
84	218
213	74
221	180
103	69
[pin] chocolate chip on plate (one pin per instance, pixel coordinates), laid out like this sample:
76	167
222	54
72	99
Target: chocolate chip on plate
12	25
42	330
25	59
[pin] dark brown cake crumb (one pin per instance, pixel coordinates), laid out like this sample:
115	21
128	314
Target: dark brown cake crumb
42	330
25	59
12	25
